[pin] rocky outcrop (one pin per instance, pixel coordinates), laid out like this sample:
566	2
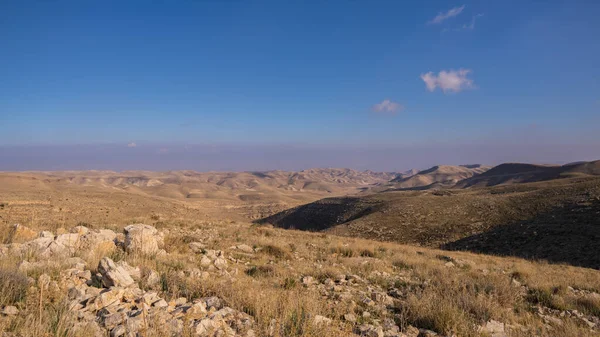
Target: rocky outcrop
81	239
113	275
142	239
111	302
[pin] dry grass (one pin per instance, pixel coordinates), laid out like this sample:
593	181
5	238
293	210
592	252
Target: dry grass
267	284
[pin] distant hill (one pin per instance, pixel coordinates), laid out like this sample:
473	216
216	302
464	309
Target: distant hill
512	173
442	175
550	218
223	188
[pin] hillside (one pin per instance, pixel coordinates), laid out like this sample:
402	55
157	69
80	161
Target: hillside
76	260
235	195
469	219
512	173
443	175
184	276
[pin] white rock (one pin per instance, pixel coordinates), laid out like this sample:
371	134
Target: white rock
10	310
245	248
70	240
494	329
142	239
220	263
113	275
322	320
197	247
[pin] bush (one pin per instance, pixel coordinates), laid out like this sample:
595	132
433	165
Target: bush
14	287
546	298
343	251
274	251
367	253
589	305
260	271
401	265
289	283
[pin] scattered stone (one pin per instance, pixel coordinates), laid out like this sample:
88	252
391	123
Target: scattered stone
350	318
308	280
494	329
449	264
368	330
10	310
113	275
322	320
197	247
142	239
220	263
152	279
245	248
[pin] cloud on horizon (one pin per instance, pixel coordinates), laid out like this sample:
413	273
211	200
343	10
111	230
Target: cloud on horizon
448	80
387	107
132	144
443	16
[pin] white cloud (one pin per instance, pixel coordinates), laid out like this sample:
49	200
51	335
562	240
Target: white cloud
448	81
471	26
387	106
441	17
131	144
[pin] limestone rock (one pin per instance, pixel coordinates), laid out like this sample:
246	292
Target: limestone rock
197	247
245	248
322	320
70	240
494	329
20	233
114	275
10	310
350	318
142	239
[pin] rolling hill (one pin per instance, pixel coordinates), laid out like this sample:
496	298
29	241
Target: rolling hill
512	173
489	219
437	176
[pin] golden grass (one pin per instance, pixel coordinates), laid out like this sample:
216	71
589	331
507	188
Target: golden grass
267	284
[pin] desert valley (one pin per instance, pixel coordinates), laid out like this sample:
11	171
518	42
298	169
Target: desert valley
204	168
473	250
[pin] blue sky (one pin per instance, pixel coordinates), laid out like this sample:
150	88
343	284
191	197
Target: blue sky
387	74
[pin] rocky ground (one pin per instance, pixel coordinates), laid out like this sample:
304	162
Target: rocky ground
229	279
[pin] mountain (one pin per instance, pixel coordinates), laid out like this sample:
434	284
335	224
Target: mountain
512	173
506	220
239	195
442	175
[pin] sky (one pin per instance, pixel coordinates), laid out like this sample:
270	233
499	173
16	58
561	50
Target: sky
258	85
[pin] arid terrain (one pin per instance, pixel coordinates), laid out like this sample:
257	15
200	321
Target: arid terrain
448	251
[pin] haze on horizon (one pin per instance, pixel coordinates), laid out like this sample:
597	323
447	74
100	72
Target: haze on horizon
234	86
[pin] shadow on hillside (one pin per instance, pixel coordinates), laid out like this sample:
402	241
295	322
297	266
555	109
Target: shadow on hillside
567	234
322	214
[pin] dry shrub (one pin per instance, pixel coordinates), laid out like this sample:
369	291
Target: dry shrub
260	271
342	251
589	305
14	286
275	251
456	303
368	253
178	243
546	297
289	283
401	264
